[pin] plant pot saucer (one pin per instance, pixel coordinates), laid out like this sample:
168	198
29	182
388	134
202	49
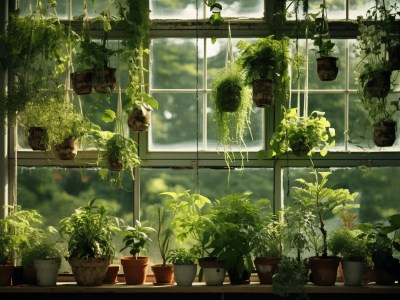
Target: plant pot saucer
163	283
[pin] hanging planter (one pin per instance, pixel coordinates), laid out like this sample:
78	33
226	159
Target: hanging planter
139	119
327	64
377	83
104	79
82	82
38	138
327	68
68	149
385	133
263	92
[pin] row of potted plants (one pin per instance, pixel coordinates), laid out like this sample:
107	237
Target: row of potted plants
234	235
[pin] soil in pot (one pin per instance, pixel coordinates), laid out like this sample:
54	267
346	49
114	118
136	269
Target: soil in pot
327	68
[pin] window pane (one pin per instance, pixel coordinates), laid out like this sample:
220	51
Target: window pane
212	184
56	192
174	64
186	9
174	124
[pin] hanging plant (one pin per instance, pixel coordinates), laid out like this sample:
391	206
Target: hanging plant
232	106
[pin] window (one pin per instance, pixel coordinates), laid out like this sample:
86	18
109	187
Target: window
180	150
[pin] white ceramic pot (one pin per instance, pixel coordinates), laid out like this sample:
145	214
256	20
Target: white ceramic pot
353	272
185	274
47	271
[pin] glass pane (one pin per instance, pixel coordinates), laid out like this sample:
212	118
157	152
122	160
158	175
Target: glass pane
186	9
333	106
174	64
174	124
56	192
375	203
212	184
358	8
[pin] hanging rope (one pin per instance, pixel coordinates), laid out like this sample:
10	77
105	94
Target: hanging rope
196	164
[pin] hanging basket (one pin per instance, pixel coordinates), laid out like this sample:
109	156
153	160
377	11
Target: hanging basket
263	92
327	68
37	138
82	82
385	133
104	80
67	150
139	119
378	84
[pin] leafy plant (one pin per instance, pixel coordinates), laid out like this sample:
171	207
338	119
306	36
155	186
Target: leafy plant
89	231
232	104
182	256
35	49
18	230
320	32
318	199
136	238
349	244
300	134
290	277
235	219
382	239
269	240
266	58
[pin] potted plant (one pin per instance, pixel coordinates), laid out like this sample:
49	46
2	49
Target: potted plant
265	65
44	256
235	219
91	59
89	232
327	64
290	277
373	70
185	267
18	230
139	103
136	238
301	134
268	248
319	200
383	242
352	247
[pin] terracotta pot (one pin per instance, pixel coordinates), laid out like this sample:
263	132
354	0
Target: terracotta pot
385	133
266	268
104	80
324	270
135	269
163	274
263	92
82	82
139	120
327	68
37	138
112	274
6	272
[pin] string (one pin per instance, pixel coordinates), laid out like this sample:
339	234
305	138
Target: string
197	185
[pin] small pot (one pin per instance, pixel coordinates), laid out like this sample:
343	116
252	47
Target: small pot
327	68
